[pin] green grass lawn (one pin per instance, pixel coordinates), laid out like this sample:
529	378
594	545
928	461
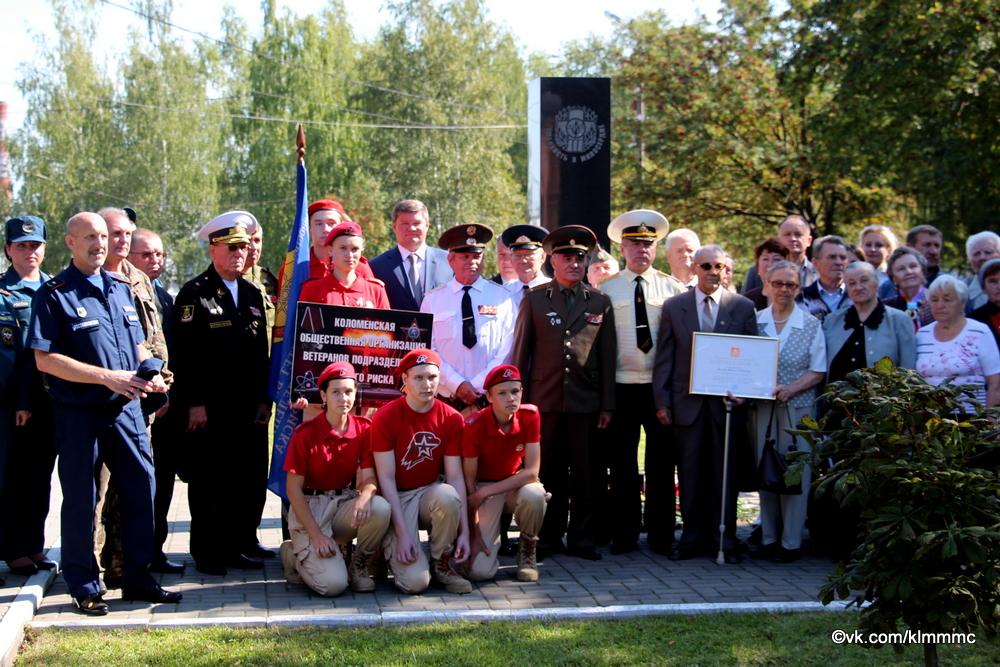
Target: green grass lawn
724	639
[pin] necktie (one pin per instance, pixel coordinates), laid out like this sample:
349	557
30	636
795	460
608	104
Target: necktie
706	315
643	336
418	292
569	298
468	319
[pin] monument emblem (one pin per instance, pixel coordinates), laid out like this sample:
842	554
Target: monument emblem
575	135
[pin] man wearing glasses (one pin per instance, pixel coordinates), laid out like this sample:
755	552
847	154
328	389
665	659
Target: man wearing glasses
148	256
221	371
700	420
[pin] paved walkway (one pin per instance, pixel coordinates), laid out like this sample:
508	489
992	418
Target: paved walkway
640	578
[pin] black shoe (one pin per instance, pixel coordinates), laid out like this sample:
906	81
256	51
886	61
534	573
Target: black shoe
241	562
258	551
586	553
92	606
732	557
511	548
112	582
164	566
46	564
155	594
683	554
545	549
783	555
764	551
24	570
660	548
617	548
214	569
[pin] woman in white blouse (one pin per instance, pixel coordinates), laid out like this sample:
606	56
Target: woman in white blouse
957	349
801	367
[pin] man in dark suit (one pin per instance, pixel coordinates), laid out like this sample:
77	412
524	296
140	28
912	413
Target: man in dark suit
412	268
565	347
700	420
827	294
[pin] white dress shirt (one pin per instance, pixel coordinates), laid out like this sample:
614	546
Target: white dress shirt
494	314
516	288
420	255
699	298
634	366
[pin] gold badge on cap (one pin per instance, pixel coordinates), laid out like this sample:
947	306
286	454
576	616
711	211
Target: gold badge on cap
522	239
470	241
81	311
470	230
28	227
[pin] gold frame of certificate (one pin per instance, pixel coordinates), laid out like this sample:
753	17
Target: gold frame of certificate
746	366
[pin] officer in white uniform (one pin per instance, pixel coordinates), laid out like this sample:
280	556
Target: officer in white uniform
473	319
525	243
637	294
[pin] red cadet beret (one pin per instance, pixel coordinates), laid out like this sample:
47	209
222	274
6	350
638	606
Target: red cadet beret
504	373
327	204
338	370
346	228
417	357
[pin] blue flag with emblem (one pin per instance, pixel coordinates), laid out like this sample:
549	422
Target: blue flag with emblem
295	271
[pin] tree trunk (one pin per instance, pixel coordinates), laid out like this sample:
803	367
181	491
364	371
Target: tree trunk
930	655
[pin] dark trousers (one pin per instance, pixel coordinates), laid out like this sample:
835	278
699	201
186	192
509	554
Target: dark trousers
27	487
635	408
567	474
699	470
167	434
116	435
227	487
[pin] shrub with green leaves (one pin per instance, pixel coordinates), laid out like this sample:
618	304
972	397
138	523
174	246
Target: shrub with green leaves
924	481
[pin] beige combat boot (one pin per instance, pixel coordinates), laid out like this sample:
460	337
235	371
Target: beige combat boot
527	568
289	562
444	573
357	573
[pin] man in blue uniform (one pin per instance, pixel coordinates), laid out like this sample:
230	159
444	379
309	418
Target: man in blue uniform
87	341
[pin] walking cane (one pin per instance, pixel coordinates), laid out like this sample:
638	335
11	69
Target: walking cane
720	559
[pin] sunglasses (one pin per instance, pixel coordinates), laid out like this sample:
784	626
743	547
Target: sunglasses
235	247
708	266
777	284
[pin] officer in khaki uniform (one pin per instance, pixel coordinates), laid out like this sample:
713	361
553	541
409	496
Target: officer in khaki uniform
121	225
637	294
256	275
564	345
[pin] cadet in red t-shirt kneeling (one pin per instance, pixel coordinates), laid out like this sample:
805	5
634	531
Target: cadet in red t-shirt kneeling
324	456
415	439
501	460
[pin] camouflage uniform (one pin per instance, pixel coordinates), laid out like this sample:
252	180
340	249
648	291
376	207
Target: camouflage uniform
108	513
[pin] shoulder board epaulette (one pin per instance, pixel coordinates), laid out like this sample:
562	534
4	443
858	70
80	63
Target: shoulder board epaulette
528	407
473	418
661	274
54	283
438	288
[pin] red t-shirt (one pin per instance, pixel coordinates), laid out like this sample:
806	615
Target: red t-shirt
326	459
500	454
363	293
420	441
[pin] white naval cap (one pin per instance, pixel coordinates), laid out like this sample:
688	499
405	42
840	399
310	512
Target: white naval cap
223	226
641	224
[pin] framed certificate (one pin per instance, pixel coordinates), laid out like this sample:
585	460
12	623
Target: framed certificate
746	366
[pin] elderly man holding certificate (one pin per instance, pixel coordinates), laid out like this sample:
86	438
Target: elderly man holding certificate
700	419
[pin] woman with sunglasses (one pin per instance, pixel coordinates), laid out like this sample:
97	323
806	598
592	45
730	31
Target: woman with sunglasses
801	367
331	488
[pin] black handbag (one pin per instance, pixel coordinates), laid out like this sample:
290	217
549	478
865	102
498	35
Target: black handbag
772	466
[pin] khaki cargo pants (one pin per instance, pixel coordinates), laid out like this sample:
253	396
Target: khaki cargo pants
437	508
527	504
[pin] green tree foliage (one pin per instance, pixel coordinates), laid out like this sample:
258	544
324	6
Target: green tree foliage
924	483
457	68
915	94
